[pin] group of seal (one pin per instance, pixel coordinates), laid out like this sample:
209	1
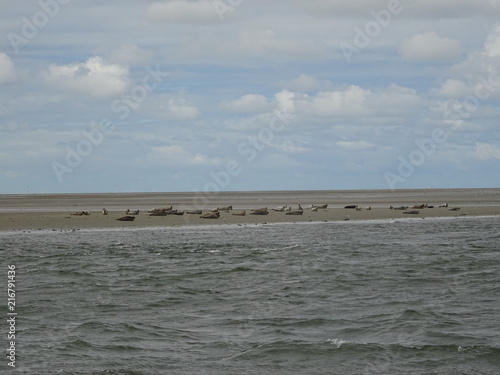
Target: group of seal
216	212
417	207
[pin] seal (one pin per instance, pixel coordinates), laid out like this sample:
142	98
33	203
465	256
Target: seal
210	215
299	212
322	207
259	211
126	218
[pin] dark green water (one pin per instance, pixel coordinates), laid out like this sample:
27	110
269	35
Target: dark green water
380	297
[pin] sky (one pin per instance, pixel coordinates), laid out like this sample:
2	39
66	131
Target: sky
241	95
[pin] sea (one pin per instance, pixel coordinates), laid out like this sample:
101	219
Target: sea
405	296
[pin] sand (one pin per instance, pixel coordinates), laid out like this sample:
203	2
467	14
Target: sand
54	211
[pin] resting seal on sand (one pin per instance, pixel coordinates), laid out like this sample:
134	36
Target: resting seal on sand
210	215
322	207
126	218
260	211
239	213
294	212
280	209
401	208
159	210
81	213
194	212
413	212
351	206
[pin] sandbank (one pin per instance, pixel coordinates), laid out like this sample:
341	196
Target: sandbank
56	211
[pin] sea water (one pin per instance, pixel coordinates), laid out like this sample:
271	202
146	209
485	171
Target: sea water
374	297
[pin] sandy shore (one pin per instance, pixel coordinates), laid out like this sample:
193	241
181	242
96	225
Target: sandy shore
55	212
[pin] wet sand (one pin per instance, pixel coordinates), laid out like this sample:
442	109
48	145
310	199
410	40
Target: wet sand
54	211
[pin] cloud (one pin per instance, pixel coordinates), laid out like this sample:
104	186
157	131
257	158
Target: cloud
285	99
178	109
477	75
356	102
348	102
304	82
485	151
429	9
492	45
250	103
93	78
193	12
429	47
8	72
452	88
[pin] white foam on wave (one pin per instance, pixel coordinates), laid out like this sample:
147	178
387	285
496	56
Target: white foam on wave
337	342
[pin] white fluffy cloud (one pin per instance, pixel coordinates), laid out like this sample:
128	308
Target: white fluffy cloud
7	69
94	78
285	99
429	47
357	102
348	102
452	88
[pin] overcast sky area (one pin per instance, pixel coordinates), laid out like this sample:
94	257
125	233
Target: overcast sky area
140	96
